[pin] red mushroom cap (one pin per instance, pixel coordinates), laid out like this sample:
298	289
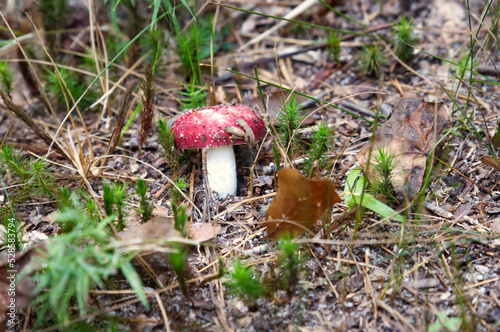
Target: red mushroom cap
204	127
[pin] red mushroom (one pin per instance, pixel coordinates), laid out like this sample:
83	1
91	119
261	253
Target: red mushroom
216	129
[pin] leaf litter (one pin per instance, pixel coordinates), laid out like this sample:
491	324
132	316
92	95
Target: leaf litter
299	203
329	297
409	135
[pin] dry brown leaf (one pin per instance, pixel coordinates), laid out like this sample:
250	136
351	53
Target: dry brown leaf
409	135
204	231
157	261
156	228
299	200
491	161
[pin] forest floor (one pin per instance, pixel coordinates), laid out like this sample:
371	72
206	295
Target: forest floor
437	271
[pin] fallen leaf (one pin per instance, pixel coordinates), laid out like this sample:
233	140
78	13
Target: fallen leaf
300	201
409	135
204	231
152	260
491	161
156	228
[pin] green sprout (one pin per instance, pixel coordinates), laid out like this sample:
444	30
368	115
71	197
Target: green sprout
244	284
372	59
288	122
290	263
320	145
145	205
114	203
333	45
166	138
382	183
405	38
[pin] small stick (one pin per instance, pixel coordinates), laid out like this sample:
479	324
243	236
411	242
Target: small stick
191	190
357	108
208	196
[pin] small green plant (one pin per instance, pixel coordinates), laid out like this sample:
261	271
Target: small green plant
382	182
320	145
176	194
445	323
178	260
12	160
77	201
41	178
5	77
114	203
194	44
193	96
290	263
180	218
108	199
188	50
244	284
120	194
153	43
287	123
166	138
73	263
333	45
405	38
34	174
91	207
60	87
372	58
64	199
69	200
145	205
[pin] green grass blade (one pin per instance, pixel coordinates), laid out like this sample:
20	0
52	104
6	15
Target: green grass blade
135	282
353	190
378	207
132	118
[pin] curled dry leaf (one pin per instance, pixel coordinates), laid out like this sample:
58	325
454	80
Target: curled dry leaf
298	204
410	133
491	161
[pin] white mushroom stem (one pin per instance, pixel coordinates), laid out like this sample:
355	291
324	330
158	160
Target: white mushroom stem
221	170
